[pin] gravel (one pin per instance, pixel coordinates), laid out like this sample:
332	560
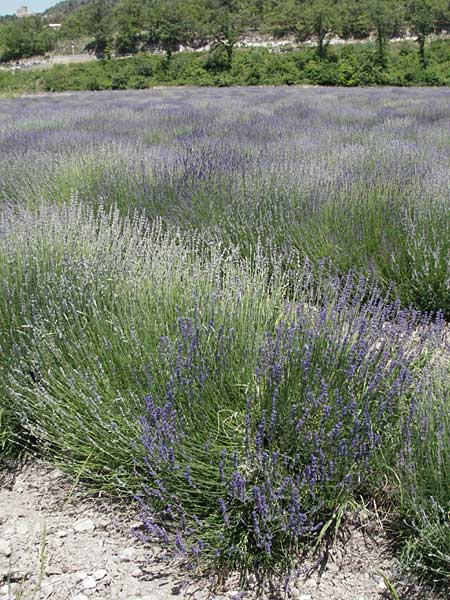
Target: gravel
60	543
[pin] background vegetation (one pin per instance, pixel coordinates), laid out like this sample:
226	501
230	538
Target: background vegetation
131	27
349	66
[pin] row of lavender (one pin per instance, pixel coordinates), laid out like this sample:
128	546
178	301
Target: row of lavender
209	361
246	413
360	177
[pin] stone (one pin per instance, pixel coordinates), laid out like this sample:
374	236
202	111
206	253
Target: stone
80	576
89	583
5	548
84	525
80	597
53	570
47	590
127	555
62	533
22	527
137	572
99	574
332	568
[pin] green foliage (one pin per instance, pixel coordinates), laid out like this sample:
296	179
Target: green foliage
22	38
172	23
422	17
318	19
128	18
424	487
349	66
386	18
129	26
354	19
15	82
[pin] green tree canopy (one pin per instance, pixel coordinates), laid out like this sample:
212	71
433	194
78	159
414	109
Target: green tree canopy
422	16
320	20
22	38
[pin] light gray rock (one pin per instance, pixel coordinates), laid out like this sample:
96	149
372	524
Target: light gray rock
62	533
53	570
80	576
90	583
84	525
99	574
127	555
103	523
22	527
5	548
47	590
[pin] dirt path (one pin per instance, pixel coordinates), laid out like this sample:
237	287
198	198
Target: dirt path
56	544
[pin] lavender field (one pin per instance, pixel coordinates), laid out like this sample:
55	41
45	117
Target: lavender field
231	305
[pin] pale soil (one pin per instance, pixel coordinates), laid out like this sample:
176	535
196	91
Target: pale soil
56	543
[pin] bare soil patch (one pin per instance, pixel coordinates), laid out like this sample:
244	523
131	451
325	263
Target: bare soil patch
56	543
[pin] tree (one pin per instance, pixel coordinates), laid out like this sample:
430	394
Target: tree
22	38
354	19
173	23
387	18
127	23
99	26
318	19
282	16
422	16
253	13
224	24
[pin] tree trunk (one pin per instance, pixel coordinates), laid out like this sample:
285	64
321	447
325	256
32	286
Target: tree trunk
321	45
381	51
421	41
229	51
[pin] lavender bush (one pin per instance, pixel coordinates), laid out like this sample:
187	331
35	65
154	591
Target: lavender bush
85	301
208	314
245	477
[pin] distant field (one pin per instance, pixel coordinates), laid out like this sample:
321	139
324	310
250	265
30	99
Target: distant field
234	304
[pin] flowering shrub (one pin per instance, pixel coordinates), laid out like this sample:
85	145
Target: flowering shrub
278	390
246	474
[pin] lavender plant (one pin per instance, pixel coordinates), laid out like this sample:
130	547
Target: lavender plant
246	478
197	353
424	486
85	300
356	176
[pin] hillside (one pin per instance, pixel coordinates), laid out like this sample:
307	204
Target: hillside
124	27
63	9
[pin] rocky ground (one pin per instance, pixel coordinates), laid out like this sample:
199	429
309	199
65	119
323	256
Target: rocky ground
55	543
